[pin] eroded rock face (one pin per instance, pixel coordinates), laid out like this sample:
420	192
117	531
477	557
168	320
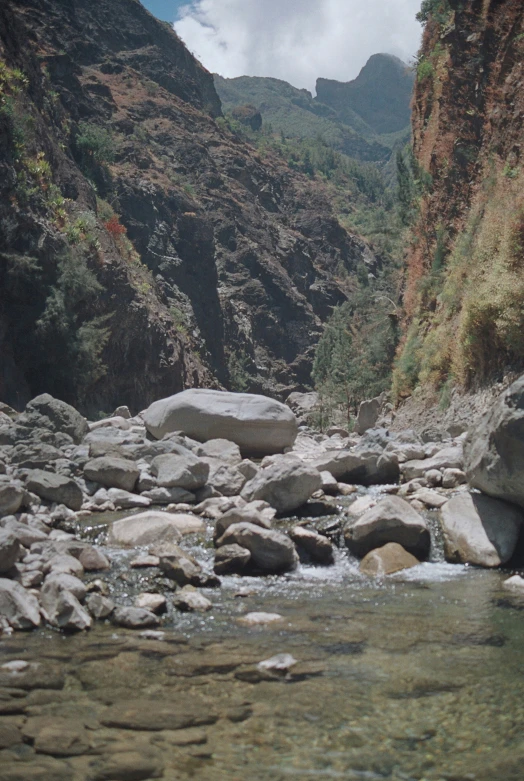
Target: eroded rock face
257	424
494	448
391	520
480	530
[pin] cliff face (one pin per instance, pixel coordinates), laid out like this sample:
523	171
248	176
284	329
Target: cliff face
464	298
143	247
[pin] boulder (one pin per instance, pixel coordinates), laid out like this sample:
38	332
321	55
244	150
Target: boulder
257	424
134	618
93	560
47	412
361	466
112	472
494	448
156	603
189	599
9	550
304	405
17	606
99	606
259	513
452	478
169	496
515	584
62	608
55	488
231	560
228	452
184	569
124	500
391	558
12	498
153	527
391	520
61	581
480	530
180	471
317	547
286	485
368	414
446	458
226	479
271	552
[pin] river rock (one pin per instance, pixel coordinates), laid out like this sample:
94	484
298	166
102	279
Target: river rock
391	520
259	618
452	478
480	530
258	512
44	411
134	618
20	608
99	606
180	471
25	534
61	581
257	424
12	497
429	498
446	458
156	603
391	558
112	472
226	479
189	599
63	562
361	466
231	560
228	452
169	496
286	485
515	584
55	488
494	448
124	500
183	568
62	608
153	527
317	547
93	560
271	552
9	550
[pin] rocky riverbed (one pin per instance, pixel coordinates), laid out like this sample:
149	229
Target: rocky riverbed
312	613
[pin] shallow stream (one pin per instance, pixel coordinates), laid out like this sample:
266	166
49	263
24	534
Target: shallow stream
417	677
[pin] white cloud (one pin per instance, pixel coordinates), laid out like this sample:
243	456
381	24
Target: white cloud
297	40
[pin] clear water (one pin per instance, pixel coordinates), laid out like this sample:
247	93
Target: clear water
418	677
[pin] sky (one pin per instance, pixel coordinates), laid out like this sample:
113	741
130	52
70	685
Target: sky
293	40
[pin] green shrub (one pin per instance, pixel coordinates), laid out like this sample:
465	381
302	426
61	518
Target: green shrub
95	147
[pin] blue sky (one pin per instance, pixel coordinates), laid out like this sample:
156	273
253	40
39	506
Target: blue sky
164	9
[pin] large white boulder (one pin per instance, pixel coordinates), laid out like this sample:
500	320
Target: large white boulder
480	530
257	424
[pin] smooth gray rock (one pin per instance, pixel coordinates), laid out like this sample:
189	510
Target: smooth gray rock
259	513
61	581
286	485
25	534
188	599
480	530
93	559
317	547
169	496
391	520
153	527
134	618
9	550
125	500
231	560
271	552
12	498
494	448
112	472
56	415
63	609
55	488
257	424
452	478
387	560
20	608
175	471
225	478
362	466
368	414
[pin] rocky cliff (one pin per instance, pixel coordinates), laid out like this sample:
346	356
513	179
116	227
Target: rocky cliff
145	248
464	298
